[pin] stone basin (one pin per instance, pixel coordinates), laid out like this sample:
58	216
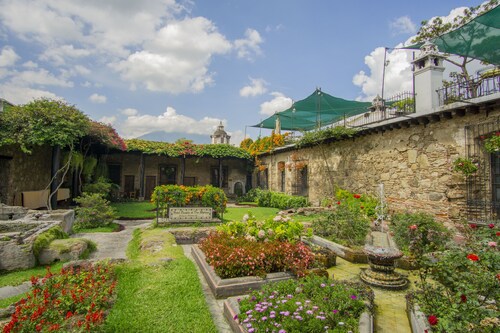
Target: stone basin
381	271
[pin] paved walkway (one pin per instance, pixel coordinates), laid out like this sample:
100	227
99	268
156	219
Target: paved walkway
113	245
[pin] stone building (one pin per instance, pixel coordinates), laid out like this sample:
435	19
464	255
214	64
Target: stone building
411	153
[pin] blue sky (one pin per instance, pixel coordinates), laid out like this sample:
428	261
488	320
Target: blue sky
167	69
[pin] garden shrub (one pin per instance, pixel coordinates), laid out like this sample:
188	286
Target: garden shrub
419	231
311	304
347	225
280	200
75	300
239	256
364	201
458	288
251	195
179	196
45	238
102	186
94	211
277	228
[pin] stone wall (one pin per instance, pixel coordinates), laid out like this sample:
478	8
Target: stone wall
23	172
413	163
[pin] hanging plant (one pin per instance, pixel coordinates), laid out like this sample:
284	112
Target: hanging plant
262	167
300	165
467	166
492	143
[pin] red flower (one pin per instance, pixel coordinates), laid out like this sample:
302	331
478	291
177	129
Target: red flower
473	225
463	298
69	314
498	276
413	227
473	257
338	202
433	320
491	225
482	137
357	196
498	233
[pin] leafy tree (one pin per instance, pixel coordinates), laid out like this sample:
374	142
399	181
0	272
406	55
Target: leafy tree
437	27
40	122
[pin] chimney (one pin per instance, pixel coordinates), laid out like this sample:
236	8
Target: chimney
428	76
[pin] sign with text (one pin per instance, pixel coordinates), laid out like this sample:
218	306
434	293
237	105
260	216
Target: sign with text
190	213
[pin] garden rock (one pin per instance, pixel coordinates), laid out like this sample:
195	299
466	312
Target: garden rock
7	312
63	250
162	262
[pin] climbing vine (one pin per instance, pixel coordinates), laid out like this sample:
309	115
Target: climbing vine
317	136
186	148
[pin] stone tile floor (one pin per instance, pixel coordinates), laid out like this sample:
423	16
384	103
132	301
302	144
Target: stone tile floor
390	316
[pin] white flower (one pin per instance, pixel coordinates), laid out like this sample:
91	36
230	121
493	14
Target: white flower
245	217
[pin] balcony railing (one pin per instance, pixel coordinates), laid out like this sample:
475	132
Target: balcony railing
399	105
483	84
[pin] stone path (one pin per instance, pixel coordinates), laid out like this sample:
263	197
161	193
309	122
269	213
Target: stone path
113	245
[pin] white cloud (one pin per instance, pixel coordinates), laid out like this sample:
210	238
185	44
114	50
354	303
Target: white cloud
249	46
22	95
8	57
279	103
86	84
170	122
40	77
403	25
398	75
108	120
129	112
256	88
98	99
58	55
236	137
177	59
30	64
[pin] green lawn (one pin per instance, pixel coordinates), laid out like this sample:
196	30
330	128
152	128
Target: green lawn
18	277
158	298
111	228
261	213
135	210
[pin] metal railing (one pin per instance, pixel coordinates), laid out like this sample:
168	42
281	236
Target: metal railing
483	84
399	105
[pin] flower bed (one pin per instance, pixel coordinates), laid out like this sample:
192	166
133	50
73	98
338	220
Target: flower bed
312	304
239	256
74	300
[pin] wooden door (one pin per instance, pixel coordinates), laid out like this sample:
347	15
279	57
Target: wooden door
129	185
150	186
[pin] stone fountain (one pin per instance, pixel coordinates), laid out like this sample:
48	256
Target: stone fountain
382	254
381	271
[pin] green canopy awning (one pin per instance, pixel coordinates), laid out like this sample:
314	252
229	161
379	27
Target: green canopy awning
317	110
479	38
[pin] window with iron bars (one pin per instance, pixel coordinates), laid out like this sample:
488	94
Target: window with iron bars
483	187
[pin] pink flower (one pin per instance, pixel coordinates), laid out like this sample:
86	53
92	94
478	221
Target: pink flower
473	225
491	225
413	227
492	244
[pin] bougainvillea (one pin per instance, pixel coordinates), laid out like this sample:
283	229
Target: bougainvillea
106	135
